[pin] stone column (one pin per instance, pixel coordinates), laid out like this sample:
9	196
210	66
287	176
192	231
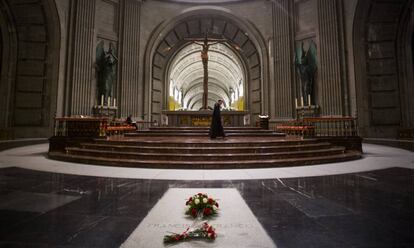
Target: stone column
129	61
331	71
80	93
282	102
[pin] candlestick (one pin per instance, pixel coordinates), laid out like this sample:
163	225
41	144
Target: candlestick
114	102
301	101
296	103
109	101
309	100
102	100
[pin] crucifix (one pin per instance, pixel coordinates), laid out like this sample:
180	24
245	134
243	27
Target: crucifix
205	43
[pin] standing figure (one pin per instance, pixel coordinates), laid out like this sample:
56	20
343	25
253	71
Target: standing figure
306	67
216	128
106	70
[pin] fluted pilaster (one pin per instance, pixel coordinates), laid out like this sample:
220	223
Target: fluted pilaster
82	50
282	101
129	78
333	97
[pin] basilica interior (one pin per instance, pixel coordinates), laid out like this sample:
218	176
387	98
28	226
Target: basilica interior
106	115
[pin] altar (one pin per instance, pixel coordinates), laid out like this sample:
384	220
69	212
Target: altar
202	118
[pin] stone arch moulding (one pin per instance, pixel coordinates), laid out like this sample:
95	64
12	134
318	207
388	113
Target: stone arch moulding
33	93
8	56
168	39
378	84
34	67
405	46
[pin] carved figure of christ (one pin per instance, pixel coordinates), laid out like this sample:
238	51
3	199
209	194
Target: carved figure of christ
205	43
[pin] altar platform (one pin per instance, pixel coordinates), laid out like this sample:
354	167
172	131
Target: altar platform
202	118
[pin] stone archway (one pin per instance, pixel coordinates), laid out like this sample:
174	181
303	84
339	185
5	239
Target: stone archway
405	49
8	43
170	38
379	82
31	69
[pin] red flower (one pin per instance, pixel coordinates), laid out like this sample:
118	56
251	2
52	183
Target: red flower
199	194
194	212
217	204
207	211
190	199
210	201
211	235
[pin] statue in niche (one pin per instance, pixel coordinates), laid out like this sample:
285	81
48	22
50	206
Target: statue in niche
306	66
106	71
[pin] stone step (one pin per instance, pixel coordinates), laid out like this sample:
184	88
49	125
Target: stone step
231	164
216	143
206	131
206	149
203	128
204	157
201	134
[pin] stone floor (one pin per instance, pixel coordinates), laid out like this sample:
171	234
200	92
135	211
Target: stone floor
371	208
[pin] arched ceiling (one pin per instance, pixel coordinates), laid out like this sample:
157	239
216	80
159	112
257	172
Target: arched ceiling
225	72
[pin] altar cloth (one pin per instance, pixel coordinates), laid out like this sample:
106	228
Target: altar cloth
236	225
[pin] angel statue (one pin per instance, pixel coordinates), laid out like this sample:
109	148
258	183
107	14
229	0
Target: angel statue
105	70
306	66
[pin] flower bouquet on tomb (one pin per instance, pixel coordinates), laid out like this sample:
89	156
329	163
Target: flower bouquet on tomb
198	207
206	232
201	205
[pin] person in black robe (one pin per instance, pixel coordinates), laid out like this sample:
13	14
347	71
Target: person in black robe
216	128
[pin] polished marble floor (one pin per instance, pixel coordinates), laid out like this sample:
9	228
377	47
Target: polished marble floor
363	209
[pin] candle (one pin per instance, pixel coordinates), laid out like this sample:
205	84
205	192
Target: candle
102	100
296	103
109	101
309	101
301	101
114	102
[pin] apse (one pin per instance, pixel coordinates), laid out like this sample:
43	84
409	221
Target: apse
226	78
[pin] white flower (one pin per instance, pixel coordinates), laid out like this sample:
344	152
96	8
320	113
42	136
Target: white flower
205	200
197	201
215	208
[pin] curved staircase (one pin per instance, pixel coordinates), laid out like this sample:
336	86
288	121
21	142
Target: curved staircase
190	148
204	131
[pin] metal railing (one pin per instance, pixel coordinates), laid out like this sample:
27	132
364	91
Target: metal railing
80	126
333	126
319	127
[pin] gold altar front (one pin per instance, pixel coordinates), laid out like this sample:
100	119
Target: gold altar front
202	118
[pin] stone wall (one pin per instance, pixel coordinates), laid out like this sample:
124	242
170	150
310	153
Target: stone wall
49	66
28	83
278	24
380	86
